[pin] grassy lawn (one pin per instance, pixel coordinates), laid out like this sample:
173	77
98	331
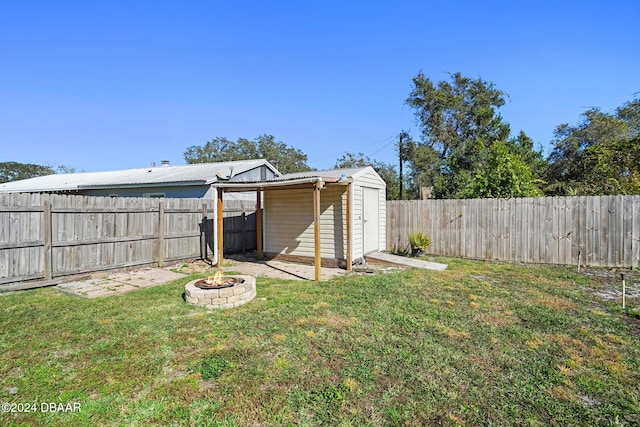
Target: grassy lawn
478	344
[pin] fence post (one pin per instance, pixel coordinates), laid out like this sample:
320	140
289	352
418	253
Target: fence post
243	229
161	234
48	240
204	236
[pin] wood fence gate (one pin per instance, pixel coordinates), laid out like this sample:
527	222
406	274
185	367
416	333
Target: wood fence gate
239	226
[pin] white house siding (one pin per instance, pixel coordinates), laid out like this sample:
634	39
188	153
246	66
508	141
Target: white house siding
288	222
367	178
182	192
356	227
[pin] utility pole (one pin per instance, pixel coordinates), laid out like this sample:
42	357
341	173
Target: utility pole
400	154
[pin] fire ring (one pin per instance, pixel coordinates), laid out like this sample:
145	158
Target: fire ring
235	291
226	282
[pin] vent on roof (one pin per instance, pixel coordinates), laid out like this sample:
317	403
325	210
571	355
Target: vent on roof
164	163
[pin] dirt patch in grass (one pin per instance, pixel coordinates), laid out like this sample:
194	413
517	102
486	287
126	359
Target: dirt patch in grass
195	266
606	286
608	282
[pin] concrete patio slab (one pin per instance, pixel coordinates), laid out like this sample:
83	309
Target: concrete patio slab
281	270
119	283
396	260
108	284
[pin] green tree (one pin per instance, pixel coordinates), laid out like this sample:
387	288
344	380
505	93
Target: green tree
461	134
14	171
424	167
351	160
65	169
285	158
386	171
611	168
522	145
599	155
506	174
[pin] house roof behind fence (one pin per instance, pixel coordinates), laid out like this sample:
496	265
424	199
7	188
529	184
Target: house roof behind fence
194	174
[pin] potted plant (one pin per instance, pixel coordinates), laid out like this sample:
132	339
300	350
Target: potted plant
419	242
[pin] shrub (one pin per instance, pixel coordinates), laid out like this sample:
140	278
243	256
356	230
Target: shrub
419	240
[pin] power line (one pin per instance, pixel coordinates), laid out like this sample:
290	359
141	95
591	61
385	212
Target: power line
361	147
379	141
388	144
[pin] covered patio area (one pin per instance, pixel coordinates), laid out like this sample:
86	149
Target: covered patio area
308	218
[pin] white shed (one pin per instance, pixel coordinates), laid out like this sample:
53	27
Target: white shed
326	217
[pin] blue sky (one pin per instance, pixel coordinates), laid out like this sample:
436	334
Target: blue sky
101	85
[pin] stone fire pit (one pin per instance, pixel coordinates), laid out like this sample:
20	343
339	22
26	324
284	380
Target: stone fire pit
236	291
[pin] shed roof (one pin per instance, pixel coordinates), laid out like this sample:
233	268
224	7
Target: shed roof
193	174
333	173
297	179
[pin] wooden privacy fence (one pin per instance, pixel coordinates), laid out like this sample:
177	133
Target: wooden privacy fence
48	236
603	230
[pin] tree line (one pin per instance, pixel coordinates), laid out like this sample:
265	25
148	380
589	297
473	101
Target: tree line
15	171
465	149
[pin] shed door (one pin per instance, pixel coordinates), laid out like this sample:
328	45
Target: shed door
370	219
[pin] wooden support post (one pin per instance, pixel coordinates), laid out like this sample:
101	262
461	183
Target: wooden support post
316	233
259	224
220	227
48	241
348	219
161	234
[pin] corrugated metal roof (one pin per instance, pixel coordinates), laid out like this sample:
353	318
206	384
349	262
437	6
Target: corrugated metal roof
195	174
292	179
333	173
